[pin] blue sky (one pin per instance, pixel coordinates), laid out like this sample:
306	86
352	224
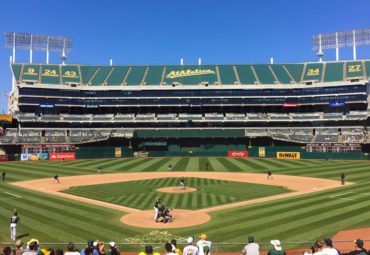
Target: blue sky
163	31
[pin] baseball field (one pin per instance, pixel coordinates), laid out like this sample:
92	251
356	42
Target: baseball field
235	193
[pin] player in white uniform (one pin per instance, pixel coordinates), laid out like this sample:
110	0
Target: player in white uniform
190	249
14	220
203	244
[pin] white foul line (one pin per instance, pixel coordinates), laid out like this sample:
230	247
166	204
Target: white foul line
12	194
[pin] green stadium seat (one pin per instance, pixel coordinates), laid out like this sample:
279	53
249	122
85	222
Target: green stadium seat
30	73
281	74
227	74
117	76
190	74
101	75
135	75
154	75
295	70
70	74
264	74
313	72
333	72
17	68
50	74
87	73
246	75
367	66
354	70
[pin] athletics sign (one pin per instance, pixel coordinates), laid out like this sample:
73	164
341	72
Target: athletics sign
288	155
237	154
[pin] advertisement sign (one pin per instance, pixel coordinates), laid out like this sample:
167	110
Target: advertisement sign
34	156
261	152
288	155
4	157
6	118
62	156
237	154
117	152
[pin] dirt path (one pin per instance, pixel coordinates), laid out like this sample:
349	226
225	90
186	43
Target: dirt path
138	218
343	240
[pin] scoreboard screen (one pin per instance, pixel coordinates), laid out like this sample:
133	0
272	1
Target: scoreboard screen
333	147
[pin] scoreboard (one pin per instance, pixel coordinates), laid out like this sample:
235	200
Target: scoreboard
333	147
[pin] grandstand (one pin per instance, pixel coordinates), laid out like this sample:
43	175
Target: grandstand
292	103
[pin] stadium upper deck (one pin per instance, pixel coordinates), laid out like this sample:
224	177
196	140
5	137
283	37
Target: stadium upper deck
207	75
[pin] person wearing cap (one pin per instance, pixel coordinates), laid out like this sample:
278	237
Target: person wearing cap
157	205
319	245
168	248
328	248
7	250
174	247
251	248
90	244
149	251
277	249
71	249
359	248
14	220
18	250
202	243
190	249
113	250
32	247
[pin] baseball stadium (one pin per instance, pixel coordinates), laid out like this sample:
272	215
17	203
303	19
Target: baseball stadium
273	151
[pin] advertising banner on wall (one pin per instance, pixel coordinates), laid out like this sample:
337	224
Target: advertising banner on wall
62	156
34	156
288	155
237	154
4	157
261	152
117	152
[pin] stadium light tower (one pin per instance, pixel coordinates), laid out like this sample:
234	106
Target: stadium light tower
353	38
31	42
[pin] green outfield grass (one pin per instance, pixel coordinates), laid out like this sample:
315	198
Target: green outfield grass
307	217
142	194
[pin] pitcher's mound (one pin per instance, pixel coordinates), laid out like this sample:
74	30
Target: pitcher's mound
176	190
181	219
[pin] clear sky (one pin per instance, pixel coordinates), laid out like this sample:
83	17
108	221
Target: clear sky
163	31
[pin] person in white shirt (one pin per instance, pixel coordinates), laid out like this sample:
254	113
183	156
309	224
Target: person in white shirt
168	248
203	244
328	248
190	249
71	249
251	248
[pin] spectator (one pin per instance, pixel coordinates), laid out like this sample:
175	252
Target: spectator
203	242
18	250
149	251
90	244
88	251
251	248
32	248
168	248
174	247
328	248
190	249
100	247
113	250
71	249
359	248
58	252
277	249
318	248
7	250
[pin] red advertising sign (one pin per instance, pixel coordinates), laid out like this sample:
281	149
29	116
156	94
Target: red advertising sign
62	155
237	154
4	157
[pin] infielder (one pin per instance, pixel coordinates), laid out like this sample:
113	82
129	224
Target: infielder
100	170
13	225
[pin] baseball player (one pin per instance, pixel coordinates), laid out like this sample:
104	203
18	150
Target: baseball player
170	167
342	177
56	179
100	170
14	220
182	182
157	205
3	176
269	175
